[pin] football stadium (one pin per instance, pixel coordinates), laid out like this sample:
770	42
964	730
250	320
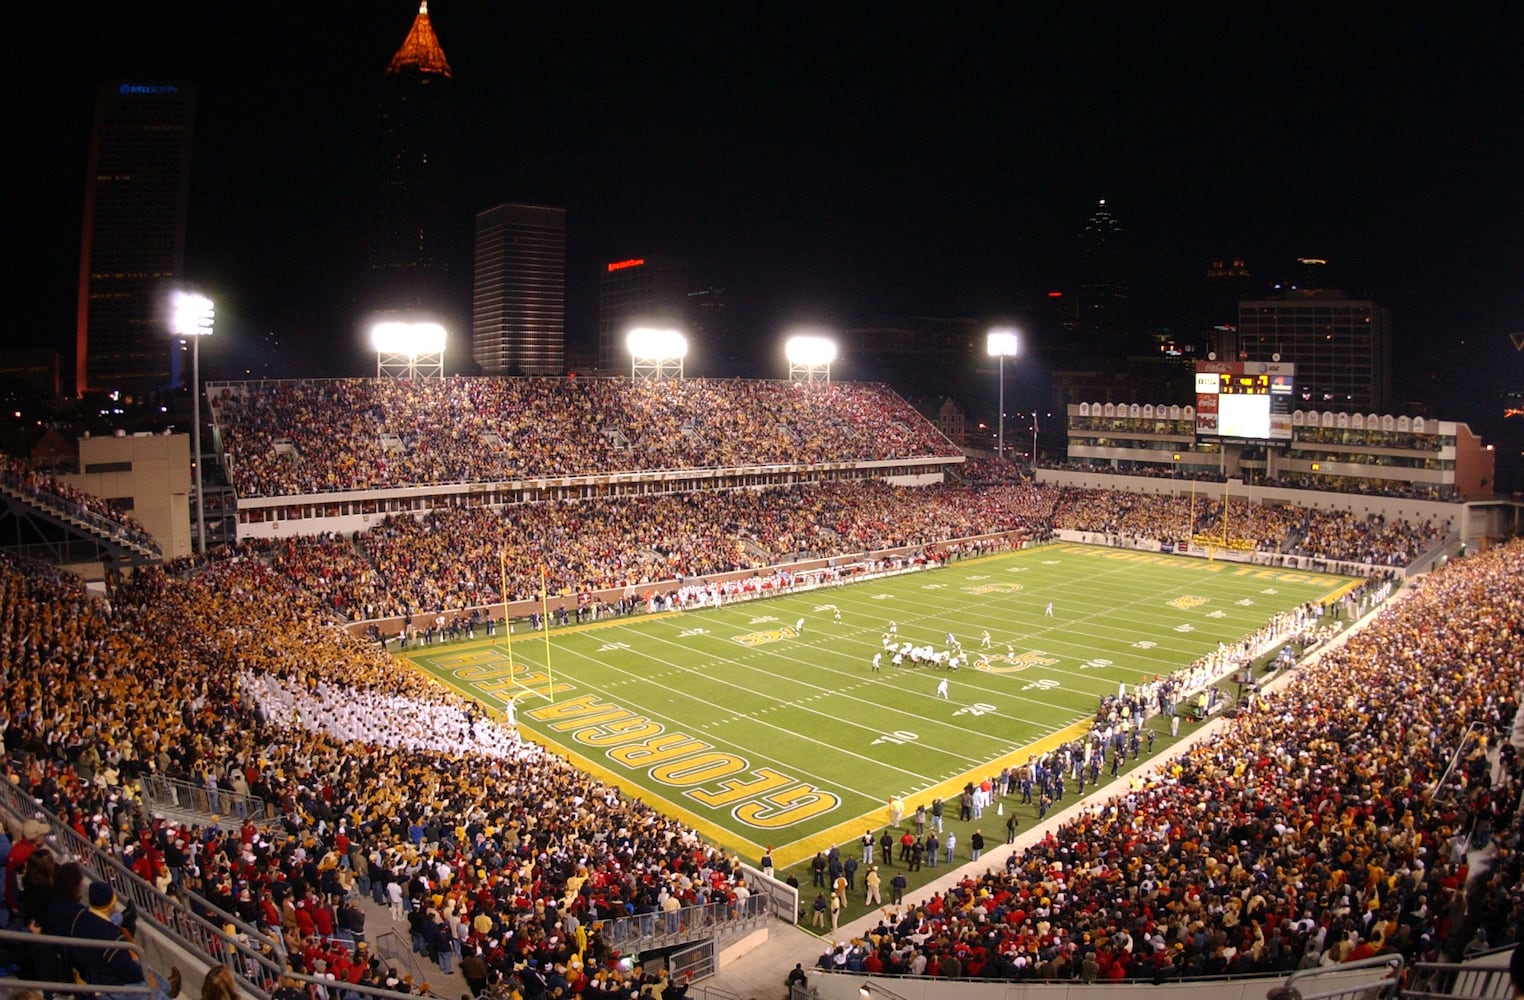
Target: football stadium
611	687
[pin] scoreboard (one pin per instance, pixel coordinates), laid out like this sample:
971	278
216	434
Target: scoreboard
1245	400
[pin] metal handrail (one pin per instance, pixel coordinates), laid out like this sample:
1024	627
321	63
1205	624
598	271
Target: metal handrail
68	985
1304	981
175	793
171	916
259	972
644	931
61	506
394	948
1457	981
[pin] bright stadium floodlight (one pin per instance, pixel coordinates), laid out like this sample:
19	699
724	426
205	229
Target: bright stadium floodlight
408	349
809	357
1001	343
193	316
656	353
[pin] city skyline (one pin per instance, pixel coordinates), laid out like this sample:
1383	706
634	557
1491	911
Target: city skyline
829	167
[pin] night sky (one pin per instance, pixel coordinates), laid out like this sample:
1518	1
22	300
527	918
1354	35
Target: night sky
834	162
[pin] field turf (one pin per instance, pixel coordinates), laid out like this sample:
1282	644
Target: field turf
760	733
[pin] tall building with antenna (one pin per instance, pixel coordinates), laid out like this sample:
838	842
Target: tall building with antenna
1102	281
408	252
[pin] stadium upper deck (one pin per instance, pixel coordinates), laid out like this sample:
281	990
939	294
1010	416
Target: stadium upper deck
319	437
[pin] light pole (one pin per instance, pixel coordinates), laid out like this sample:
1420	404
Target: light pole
656	353
1034	444
1001	343
192	316
810	355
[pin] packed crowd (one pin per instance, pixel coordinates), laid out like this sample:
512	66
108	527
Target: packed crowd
987	470
457	559
1139	469
1372	539
288	438
1324	827
453	560
1238	522
493	849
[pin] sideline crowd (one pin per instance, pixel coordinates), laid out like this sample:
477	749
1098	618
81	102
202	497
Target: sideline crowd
450	561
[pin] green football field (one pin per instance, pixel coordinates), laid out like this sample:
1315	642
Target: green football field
760	733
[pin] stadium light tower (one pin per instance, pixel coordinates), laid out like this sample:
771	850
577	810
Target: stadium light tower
809	357
656	353
192	316
1001	343
408	349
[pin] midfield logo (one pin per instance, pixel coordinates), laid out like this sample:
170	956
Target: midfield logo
994	588
1005	663
766	636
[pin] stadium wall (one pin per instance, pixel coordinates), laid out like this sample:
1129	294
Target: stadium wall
145	475
847	986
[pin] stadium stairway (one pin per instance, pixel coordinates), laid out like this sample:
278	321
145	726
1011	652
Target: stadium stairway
35	523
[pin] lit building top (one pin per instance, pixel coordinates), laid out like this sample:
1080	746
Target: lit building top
420	50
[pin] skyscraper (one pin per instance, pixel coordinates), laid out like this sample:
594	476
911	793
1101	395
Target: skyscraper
1342	347
408	252
518	297
638	291
1103	285
712	332
133	237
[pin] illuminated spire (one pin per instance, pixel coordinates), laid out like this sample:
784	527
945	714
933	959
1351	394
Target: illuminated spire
421	51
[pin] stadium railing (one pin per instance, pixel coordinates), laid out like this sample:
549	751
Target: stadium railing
80	517
1371	978
1459	981
26	940
163	793
645	931
198	935
257	959
785	898
1375	978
